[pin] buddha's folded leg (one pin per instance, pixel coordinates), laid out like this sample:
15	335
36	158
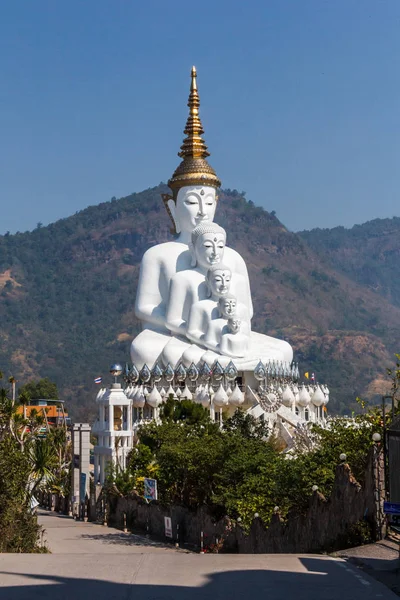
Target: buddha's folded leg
210	357
147	348
173	351
195	354
270	348
192	354
224	360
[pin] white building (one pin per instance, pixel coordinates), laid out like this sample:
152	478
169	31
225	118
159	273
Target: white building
113	430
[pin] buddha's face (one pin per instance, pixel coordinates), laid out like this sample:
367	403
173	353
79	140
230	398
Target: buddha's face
209	249
219	281
194	204
227	307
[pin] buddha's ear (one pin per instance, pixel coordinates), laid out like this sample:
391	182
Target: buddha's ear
170	206
193	262
172	210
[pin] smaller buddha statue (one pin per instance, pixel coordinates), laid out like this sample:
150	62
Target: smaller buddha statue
227	306
189	286
235	335
215	322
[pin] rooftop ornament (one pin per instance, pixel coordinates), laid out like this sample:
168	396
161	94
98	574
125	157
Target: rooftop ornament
116	370
145	374
192	373
156	373
169	373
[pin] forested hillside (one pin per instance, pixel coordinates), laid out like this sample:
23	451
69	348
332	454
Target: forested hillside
67	293
368	253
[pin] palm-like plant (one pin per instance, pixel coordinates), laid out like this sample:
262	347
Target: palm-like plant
24	399
43	461
25	430
13	383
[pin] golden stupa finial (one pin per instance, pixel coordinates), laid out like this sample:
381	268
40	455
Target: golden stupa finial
193	145
194	168
193	85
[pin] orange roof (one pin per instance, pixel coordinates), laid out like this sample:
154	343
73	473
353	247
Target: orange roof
51	411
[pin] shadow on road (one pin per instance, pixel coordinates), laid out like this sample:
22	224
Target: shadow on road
124	539
323	580
41	512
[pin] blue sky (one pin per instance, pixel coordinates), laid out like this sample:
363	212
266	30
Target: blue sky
300	101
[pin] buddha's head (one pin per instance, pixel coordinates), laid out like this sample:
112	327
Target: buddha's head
218	280
207	245
193	205
227	306
194	182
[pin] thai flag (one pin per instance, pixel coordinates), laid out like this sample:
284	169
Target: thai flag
313	377
98	380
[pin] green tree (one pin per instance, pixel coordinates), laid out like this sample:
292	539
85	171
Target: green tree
239	469
184	410
43	389
29	461
18	526
19	529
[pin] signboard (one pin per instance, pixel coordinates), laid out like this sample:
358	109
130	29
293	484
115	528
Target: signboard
82	487
150	489
168	526
391	508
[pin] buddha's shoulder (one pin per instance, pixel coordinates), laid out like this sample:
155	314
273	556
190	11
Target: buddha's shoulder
231	254
205	305
165	251
188	275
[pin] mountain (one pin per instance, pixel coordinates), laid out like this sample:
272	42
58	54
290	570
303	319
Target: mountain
369	254
67	295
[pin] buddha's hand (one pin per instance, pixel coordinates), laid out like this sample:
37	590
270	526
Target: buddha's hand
234	325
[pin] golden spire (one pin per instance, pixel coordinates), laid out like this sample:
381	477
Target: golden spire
193	145
194	168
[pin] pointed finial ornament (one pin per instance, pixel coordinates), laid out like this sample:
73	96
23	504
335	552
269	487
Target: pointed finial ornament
194	168
193	145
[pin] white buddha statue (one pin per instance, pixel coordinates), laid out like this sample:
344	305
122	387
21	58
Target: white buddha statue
162	304
190	286
194	185
215	322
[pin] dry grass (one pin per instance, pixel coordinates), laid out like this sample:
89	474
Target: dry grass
6	276
124	337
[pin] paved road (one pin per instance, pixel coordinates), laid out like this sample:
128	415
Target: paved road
66	536
90	562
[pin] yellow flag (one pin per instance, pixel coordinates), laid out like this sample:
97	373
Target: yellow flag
307	375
